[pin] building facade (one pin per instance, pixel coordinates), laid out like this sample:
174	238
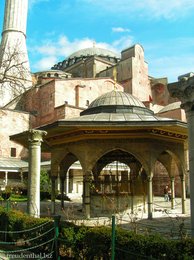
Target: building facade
69	88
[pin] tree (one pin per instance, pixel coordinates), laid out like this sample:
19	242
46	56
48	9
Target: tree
15	75
45	182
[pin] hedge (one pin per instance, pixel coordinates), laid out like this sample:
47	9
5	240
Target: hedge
16	226
95	243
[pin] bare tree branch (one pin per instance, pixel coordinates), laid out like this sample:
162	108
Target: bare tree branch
15	76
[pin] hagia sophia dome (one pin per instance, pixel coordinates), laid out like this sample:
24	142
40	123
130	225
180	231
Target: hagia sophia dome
94	51
86	53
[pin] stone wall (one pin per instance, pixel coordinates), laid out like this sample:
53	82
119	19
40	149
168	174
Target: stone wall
59	99
12	122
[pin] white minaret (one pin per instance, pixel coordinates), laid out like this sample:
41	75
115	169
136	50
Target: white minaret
13	52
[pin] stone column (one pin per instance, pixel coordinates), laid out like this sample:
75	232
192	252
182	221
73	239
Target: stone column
53	195
6	178
35	139
67	183
86	194
132	196
183	194
172	193
150	198
184	91
62	191
22	177
58	183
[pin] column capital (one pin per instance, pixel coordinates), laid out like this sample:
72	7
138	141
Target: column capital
36	135
184	91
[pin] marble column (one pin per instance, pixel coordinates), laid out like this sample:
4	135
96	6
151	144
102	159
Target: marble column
183	195
53	193
184	91
150	198
67	183
62	180
22	176
35	139
6	178
86	194
172	193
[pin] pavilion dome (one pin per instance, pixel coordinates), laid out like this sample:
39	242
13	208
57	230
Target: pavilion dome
116	98
116	102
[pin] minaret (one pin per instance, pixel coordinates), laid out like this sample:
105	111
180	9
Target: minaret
13	51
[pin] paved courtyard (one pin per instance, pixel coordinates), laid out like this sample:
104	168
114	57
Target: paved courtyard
165	220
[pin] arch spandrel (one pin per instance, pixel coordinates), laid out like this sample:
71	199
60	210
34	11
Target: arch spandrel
171	157
94	150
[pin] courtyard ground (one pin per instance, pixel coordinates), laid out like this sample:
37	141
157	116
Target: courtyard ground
165	220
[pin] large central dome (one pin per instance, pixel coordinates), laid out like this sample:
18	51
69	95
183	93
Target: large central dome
84	54
93	52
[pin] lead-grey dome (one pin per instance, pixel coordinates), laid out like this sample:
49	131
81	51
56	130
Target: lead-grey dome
84	54
116	102
116	98
92	52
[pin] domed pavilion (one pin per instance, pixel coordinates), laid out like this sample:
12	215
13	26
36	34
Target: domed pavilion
117	141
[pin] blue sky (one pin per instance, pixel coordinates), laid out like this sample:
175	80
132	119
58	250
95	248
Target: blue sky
165	29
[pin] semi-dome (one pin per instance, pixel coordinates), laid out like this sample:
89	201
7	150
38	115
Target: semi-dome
92	52
116	102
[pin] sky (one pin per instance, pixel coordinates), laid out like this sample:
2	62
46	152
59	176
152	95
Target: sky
165	29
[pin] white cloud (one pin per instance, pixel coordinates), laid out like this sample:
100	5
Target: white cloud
120	29
123	43
150	8
45	63
51	52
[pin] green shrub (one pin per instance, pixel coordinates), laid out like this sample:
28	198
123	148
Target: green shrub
101	238
28	233
95	243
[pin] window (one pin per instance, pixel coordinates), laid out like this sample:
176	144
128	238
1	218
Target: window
13	152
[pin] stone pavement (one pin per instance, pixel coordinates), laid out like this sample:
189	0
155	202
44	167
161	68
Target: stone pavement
165	220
